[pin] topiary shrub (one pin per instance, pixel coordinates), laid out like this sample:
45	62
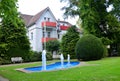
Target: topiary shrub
89	47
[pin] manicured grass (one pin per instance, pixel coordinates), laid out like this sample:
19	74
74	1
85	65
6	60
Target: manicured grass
107	69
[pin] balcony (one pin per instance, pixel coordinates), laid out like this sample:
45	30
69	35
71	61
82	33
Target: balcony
49	24
47	39
64	27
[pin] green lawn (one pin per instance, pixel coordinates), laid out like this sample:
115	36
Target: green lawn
107	69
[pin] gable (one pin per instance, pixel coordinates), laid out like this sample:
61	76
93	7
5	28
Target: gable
44	13
47	16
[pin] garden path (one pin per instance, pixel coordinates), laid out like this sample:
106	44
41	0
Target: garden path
3	79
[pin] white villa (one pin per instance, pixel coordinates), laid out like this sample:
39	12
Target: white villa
43	27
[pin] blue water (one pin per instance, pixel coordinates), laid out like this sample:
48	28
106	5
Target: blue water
54	66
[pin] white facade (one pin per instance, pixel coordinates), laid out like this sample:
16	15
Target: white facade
43	27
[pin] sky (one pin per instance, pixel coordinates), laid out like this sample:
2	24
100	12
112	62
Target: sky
32	7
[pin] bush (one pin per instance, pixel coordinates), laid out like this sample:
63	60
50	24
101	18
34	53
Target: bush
0	60
4	61
37	56
89	47
118	49
52	45
69	41
49	56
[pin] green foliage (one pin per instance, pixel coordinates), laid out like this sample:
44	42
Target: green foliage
106	53
69	41
0	60
49	56
106	41
89	47
52	45
37	56
5	60
118	49
13	39
96	19
113	32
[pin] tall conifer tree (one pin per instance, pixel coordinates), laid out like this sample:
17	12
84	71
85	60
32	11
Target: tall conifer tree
13	39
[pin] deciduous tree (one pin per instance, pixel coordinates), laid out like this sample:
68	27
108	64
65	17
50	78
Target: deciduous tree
96	19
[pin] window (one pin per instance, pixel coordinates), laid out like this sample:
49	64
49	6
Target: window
49	34
48	19
44	18
58	35
31	35
43	34
43	46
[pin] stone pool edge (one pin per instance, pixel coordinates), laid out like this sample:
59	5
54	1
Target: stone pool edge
26	71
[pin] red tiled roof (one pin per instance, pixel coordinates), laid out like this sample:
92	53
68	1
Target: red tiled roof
65	22
36	17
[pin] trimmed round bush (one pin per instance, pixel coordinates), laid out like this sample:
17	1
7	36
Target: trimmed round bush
89	47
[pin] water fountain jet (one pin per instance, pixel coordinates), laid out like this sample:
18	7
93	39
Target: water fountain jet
50	67
44	60
68	59
62	60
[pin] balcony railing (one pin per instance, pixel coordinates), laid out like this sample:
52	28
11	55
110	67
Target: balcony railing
49	24
64	27
47	39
